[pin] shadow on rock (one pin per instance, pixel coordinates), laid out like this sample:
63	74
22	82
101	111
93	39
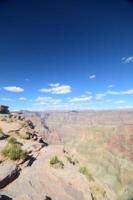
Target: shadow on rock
31	160
4	197
47	198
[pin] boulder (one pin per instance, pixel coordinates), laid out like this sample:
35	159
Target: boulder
9	171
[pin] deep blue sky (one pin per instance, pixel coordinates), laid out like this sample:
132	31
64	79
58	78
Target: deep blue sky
66	42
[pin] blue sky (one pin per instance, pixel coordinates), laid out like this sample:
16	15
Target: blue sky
66	54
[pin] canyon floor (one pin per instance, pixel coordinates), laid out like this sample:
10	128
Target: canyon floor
71	155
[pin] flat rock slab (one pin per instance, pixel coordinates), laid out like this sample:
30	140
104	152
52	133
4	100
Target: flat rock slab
9	171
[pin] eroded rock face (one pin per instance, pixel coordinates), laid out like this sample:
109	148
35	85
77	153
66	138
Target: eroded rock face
9	171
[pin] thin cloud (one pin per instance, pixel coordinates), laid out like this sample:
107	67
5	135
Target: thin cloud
126	92
57	89
80	99
47	101
22	98
110	86
93	76
100	96
13	89
6	99
127	60
120	102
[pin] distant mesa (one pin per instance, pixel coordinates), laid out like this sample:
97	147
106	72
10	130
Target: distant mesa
4	109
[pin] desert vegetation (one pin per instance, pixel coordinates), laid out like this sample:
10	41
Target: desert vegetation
55	162
84	170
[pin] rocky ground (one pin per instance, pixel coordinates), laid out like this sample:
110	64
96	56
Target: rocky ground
69	156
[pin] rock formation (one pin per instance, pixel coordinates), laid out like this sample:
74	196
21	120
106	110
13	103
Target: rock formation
4	109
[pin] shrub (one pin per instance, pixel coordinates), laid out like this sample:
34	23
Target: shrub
97	190
69	159
84	170
12	140
14	152
54	160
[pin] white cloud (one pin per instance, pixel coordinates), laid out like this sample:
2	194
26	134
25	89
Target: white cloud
47	101
110	86
126	92
54	84
80	99
88	92
92	76
127	60
120	102
57	89
13	89
100	96
5	99
22	98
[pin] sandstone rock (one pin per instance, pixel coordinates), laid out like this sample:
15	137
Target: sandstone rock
8	172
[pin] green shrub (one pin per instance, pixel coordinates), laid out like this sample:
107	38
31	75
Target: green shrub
14	152
54	160
69	159
84	170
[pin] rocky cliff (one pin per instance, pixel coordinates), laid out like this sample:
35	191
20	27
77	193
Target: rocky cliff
69	155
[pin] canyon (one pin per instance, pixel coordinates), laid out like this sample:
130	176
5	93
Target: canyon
94	151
